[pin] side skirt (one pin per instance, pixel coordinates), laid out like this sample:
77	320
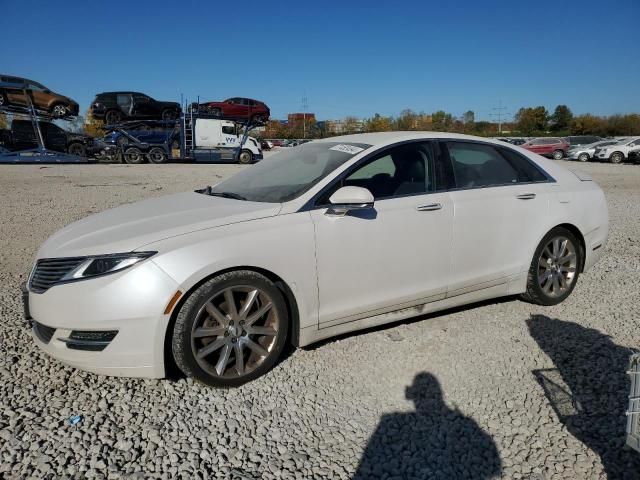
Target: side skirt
511	286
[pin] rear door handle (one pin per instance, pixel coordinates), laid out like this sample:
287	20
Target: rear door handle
429	207
526	196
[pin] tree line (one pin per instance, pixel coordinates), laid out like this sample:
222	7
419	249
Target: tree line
528	121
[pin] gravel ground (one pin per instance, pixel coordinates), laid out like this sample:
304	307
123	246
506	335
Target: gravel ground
501	389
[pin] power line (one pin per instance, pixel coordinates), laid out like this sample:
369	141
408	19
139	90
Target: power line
500	114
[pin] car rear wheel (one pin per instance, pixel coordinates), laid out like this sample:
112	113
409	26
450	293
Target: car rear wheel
59	110
558	154
230	330
554	269
616	157
157	155
245	157
133	155
112	117
583	157
77	149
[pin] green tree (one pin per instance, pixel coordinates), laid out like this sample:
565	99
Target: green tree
442	121
561	119
588	124
378	123
531	121
92	126
408	120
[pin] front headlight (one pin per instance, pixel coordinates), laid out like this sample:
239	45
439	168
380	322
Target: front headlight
95	266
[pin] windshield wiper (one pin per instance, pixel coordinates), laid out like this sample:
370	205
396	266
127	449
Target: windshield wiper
208	191
235	196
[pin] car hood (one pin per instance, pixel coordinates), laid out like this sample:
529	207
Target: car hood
132	226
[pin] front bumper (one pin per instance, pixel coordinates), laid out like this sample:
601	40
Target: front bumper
130	302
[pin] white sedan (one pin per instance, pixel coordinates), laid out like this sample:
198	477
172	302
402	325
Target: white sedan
326	238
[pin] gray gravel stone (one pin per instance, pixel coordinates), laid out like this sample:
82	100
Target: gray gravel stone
325	411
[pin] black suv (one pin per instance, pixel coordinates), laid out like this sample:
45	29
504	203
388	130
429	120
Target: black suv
21	136
115	107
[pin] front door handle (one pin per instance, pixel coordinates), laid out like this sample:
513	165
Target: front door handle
429	207
526	196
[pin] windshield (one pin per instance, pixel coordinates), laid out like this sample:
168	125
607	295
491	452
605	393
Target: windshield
288	174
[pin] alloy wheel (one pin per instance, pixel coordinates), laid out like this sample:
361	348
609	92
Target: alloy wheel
235	331
59	111
583	157
558	155
557	266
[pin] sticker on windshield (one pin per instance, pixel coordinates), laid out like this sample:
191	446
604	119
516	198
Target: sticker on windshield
350	149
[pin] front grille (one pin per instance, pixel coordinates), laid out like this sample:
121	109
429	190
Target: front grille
93	341
50	271
43	332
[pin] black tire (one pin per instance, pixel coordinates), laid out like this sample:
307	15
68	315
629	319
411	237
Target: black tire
245	157
133	155
616	157
183	345
558	154
169	114
112	117
77	149
535	292
59	110
583	157
157	155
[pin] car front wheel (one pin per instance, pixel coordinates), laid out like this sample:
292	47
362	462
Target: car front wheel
554	269
558	155
583	157
245	157
230	330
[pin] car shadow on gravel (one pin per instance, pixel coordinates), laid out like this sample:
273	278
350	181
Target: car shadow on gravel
434	442
588	389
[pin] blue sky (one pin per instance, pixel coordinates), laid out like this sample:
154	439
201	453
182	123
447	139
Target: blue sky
348	57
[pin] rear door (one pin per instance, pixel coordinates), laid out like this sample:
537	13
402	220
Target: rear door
23	135
500	200
144	106
14	90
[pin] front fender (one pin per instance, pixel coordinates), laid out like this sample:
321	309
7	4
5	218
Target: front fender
283	245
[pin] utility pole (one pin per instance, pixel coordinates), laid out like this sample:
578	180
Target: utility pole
500	114
305	106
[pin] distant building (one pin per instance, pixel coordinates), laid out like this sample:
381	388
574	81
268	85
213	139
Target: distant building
298	119
336	127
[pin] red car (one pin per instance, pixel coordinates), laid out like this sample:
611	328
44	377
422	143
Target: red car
239	108
553	147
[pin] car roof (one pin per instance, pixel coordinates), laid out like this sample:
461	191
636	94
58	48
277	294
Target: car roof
384	138
120	91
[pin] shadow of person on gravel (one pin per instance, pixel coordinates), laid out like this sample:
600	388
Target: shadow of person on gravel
434	442
588	389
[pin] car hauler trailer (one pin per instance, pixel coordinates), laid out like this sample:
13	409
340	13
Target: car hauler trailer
39	154
198	137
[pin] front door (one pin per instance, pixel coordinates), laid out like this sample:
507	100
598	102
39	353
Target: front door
395	255
143	106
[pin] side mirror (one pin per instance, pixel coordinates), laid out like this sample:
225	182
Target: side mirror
350	198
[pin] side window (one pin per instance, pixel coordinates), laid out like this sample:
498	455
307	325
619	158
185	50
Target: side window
228	130
400	171
477	165
35	86
527	172
124	100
